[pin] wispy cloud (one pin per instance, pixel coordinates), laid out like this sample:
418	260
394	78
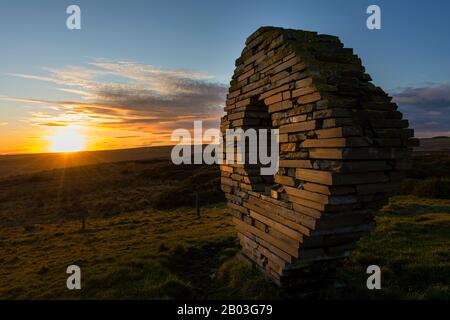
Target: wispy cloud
140	98
431	96
127	95
427	107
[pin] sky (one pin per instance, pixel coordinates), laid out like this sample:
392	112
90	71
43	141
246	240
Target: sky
139	69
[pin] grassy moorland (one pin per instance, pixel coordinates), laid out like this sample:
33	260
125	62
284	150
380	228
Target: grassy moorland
144	239
11	165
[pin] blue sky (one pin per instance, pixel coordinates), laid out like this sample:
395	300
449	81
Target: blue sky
407	57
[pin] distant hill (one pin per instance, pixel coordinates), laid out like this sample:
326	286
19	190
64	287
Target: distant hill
436	144
28	163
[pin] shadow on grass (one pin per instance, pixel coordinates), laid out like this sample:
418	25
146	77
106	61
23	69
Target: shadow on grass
202	271
411	245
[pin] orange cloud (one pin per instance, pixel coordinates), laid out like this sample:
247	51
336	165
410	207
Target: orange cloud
140	99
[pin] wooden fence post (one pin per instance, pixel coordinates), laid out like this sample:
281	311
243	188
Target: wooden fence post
197	204
84	215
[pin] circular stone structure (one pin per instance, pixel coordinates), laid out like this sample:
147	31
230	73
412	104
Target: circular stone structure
343	149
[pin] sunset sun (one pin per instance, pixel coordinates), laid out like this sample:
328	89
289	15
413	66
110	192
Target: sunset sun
67	139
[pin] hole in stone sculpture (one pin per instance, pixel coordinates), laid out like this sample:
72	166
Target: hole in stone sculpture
257	126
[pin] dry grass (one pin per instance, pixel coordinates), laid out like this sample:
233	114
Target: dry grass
143	243
34	261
